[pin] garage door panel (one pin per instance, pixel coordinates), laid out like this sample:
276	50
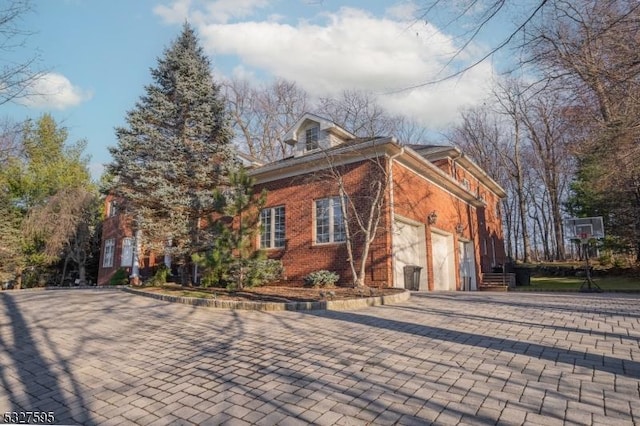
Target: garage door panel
409	249
443	261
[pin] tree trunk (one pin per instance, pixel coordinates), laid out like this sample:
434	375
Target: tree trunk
64	270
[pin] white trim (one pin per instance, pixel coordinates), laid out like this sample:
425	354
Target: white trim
398	276
331	224
109	252
126	253
272	228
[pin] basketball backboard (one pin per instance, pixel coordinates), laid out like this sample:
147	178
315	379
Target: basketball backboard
583	228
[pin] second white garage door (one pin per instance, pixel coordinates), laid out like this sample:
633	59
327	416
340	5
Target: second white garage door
442	252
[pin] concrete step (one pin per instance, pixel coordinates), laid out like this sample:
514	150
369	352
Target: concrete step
500	279
493	287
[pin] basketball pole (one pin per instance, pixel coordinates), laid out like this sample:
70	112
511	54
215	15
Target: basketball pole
588	286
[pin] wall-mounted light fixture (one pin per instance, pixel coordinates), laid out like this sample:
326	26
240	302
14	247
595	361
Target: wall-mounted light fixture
432	218
459	228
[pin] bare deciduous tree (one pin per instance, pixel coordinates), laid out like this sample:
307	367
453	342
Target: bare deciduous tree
589	50
15	76
261	115
360	112
65	224
546	126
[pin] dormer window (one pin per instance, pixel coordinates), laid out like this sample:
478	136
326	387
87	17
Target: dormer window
311	138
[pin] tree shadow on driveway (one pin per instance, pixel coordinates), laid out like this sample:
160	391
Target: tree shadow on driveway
37	386
603	363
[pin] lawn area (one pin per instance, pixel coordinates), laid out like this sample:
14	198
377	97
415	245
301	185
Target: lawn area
574	283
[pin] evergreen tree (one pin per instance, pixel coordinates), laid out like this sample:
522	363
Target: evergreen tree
232	260
174	152
42	218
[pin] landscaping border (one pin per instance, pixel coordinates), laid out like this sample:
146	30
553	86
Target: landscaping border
329	305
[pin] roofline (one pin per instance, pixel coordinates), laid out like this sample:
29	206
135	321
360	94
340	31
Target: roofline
325	124
318	160
456	154
350	153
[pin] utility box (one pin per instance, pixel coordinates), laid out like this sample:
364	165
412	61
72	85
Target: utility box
412	277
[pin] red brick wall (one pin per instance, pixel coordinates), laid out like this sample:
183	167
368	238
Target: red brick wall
301	255
414	198
116	227
119	227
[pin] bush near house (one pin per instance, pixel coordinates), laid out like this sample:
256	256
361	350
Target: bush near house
321	278
120	277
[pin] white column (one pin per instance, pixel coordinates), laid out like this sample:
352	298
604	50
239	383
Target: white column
167	254
135	268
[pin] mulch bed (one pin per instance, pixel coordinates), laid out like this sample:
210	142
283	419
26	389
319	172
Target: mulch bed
274	294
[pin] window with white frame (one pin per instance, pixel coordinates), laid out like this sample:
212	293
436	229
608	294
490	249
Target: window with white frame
109	249
272	227
311	138
127	252
329	221
112	209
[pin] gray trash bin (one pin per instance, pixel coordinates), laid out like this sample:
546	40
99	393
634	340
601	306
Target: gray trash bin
523	275
412	277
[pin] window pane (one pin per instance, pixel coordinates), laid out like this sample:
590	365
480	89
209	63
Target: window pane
127	252
265	228
322	221
339	233
107	260
279	234
311	138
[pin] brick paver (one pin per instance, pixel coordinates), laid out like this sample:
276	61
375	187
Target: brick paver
109	357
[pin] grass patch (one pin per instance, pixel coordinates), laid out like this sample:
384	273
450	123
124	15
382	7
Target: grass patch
574	283
199	294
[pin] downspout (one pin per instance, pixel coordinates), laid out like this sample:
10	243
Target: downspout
393	211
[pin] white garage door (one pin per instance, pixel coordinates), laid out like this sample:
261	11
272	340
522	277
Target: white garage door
409	248
444	277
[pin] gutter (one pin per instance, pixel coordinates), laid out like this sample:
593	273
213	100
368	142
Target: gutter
393	210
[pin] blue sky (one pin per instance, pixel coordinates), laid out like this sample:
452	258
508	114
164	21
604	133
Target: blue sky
98	54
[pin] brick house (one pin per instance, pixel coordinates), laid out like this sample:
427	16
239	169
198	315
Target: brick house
440	211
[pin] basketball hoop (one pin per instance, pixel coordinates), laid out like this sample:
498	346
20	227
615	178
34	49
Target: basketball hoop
584	229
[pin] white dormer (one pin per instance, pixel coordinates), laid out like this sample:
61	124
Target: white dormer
312	133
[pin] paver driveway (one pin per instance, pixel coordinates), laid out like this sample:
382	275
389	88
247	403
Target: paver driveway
108	357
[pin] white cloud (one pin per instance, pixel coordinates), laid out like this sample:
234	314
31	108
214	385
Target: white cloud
204	11
96	170
346	49
55	91
406	11
224	10
176	13
355	50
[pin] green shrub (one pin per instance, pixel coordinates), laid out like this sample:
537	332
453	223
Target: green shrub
321	278
257	272
120	277
619	262
160	277
215	266
605	258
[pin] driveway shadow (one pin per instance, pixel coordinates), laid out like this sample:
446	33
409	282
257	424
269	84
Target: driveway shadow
37	386
603	363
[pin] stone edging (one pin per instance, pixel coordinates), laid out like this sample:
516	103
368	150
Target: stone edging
330	305
63	288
